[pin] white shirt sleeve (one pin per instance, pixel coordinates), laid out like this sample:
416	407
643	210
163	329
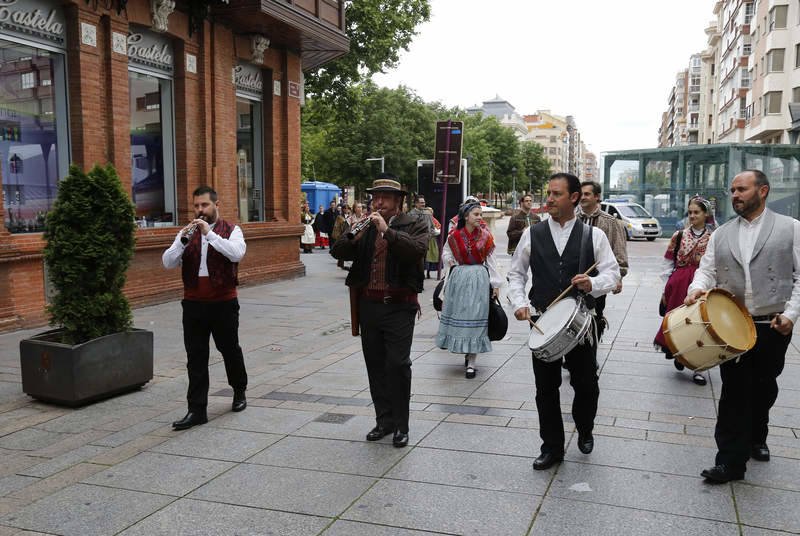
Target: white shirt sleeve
495	279
233	248
447	255
666	269
173	256
608	270
792	310
518	274
706	275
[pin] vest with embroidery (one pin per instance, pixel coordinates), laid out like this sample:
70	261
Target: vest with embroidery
552	272
222	273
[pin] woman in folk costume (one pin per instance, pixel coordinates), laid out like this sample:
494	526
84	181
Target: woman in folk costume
309	238
319	228
432	255
681	261
473	278
454	220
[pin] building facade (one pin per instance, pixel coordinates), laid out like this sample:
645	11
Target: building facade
734	20
174	101
550	131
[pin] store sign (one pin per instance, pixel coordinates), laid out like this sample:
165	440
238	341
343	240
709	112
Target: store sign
150	50
249	80
39	20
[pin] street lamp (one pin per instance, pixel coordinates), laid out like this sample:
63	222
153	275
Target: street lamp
491	165
469	173
514	188
375	160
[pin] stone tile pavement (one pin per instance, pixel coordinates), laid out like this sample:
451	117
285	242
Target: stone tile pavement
296	461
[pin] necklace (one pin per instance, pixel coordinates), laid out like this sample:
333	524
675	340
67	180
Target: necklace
697	235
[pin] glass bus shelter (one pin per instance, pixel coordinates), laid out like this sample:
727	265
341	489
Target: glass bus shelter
663	180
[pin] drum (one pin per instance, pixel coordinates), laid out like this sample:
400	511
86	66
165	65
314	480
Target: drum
713	330
563	325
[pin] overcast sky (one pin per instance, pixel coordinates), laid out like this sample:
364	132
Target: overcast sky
609	63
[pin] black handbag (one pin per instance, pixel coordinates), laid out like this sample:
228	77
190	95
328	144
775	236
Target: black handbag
498	321
437	301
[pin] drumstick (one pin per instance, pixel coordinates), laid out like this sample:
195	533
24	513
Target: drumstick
570	287
534	325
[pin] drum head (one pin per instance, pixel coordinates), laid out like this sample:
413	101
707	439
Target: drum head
729	322
551	323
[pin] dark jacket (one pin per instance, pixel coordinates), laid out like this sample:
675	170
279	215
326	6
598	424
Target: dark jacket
407	242
517	225
328	220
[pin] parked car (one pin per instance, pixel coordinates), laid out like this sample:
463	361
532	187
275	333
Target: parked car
637	222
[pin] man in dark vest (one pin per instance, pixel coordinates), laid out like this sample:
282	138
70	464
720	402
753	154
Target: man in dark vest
757	258
209	262
386	275
558	252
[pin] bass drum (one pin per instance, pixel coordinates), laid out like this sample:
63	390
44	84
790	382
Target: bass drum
563	325
713	330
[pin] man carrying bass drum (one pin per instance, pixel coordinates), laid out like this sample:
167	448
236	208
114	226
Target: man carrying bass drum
557	252
763	247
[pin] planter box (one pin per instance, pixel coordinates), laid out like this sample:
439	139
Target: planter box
75	375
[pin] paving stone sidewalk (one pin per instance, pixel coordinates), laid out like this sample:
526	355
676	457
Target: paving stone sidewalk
296	462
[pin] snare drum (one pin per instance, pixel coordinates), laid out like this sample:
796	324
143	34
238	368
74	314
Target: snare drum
711	331
564	325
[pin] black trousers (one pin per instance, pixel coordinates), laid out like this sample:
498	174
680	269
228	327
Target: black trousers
749	389
599	307
386	334
221	321
582	365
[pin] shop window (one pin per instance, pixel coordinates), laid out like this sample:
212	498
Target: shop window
152	168
249	160
34	149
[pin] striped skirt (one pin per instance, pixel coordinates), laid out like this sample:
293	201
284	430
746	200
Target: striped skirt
464	324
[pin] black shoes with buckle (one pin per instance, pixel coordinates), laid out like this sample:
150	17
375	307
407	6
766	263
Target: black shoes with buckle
720	474
546	460
239	401
760	452
379	432
585	442
193	418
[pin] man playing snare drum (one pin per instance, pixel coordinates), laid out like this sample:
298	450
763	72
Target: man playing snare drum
764	247
557	253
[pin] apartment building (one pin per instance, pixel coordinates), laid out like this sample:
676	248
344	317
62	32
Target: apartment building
591	170
550	131
673	129
709	78
775	37
734	19
505	113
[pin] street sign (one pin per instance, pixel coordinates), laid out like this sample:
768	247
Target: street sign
447	159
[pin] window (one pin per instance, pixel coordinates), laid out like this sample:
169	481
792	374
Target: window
748	13
249	159
775	60
553	139
777	17
747	49
34	133
152	164
797	55
796	94
773	102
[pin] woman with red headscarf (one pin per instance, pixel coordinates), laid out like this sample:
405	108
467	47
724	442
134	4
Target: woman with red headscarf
473	277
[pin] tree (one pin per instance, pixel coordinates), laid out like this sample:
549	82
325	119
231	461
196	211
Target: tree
378	30
534	160
90	244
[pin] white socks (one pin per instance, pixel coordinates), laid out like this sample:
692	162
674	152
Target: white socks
471	360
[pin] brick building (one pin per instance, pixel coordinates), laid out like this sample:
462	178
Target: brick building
174	101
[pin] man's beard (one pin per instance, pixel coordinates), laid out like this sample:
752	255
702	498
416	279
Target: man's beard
208	218
746	207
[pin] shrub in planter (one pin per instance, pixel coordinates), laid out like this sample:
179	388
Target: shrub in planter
94	352
90	244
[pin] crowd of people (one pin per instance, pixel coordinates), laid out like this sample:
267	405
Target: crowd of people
576	256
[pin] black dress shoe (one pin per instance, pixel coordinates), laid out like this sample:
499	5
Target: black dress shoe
239	401
546	460
585	442
760	452
678	365
400	439
379	432
193	418
470	372
720	474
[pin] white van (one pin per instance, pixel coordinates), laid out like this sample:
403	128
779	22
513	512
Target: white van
638	223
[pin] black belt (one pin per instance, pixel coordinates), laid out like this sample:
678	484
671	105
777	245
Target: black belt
762	318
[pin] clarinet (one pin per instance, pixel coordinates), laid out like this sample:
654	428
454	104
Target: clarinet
358	227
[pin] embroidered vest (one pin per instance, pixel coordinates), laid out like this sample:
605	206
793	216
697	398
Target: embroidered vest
221	271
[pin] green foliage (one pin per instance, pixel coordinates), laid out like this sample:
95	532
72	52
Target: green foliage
378	31
90	243
534	161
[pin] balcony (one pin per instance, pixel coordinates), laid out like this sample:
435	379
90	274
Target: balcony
694	108
314	28
694	89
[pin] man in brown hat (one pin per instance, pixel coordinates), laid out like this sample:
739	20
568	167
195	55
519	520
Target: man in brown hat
387	274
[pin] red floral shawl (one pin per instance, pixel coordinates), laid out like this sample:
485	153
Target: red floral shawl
471	248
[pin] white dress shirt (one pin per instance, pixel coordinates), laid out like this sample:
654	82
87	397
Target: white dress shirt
604	282
232	248
495	279
706	275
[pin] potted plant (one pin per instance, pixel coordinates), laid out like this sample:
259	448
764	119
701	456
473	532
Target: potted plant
94	352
